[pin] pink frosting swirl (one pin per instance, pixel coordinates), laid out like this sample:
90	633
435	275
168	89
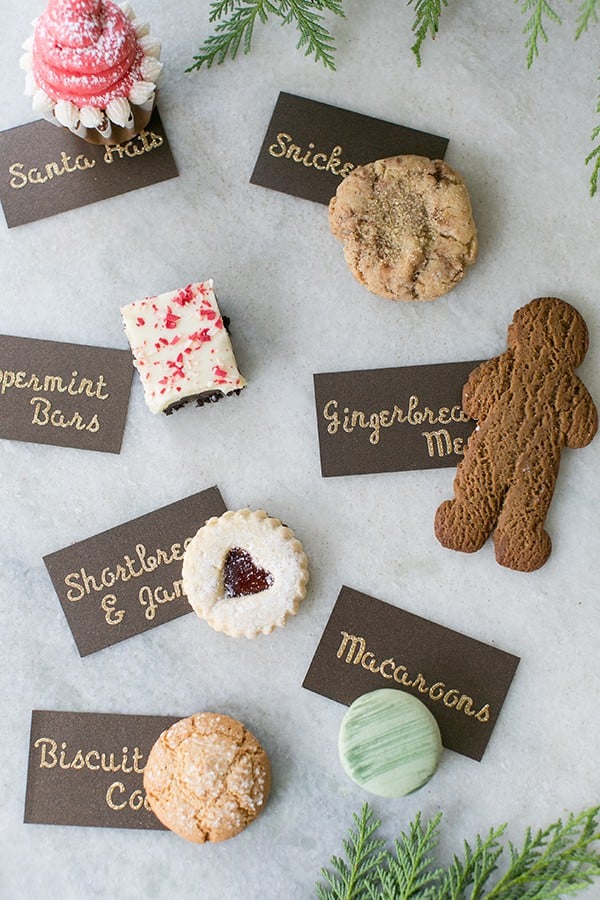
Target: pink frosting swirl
85	51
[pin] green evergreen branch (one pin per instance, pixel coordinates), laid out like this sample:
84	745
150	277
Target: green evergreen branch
588	12
534	27
555	862
427	21
594	156
236	20
364	854
314	37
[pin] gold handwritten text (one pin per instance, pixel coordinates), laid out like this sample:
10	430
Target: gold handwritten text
49	171
325	162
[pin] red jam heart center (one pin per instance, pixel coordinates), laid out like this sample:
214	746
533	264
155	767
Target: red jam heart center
241	576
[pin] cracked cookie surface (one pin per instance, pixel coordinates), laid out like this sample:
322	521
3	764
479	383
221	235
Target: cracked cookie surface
406	225
207	777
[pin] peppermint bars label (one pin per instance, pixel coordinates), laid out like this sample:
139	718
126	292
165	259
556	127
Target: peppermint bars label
392	420
368	645
128	580
45	170
87	769
64	394
309	147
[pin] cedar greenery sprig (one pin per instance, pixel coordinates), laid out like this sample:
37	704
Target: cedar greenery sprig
238	28
554	862
234	22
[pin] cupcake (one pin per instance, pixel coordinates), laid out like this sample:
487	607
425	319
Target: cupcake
92	67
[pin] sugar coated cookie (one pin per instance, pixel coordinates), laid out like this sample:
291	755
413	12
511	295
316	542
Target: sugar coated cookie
207	778
529	404
245	573
406	225
389	743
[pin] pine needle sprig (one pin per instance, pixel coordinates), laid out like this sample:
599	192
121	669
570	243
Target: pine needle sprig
363	855
554	862
588	12
409	874
476	867
534	27
594	157
236	20
315	39
427	21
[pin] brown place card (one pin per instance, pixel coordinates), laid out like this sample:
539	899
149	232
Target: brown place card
45	170
368	645
392	420
87	769
128	580
309	147
64	394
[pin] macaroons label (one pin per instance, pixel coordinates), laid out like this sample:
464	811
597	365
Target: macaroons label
128	579
45	170
392	420
87	769
368	644
68	395
310	146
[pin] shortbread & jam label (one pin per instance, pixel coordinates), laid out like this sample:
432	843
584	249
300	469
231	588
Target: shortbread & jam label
128	580
392	420
88	769
368	644
309	147
45	170
69	395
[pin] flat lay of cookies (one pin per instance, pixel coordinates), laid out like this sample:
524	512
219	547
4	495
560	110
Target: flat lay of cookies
299	386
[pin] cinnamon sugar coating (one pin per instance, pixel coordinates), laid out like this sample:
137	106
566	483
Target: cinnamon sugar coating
406	225
529	404
207	778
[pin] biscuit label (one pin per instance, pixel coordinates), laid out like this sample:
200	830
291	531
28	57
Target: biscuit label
63	394
368	644
392	420
309	147
45	170
128	580
87	769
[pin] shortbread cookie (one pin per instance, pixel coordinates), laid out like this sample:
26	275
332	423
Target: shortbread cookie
207	778
181	348
406	225
389	743
245	573
529	404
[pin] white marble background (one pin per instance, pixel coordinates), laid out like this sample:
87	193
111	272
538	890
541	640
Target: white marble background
519	138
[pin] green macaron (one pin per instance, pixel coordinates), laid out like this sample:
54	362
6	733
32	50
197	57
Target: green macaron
389	743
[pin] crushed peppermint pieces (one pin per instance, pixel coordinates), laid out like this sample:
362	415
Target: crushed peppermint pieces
181	348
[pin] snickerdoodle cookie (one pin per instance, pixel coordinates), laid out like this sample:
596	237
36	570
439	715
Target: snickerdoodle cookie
406	225
207	778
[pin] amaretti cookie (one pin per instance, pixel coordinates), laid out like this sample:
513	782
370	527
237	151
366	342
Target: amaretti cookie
389	743
245	573
207	778
529	404
92	67
406	225
181	348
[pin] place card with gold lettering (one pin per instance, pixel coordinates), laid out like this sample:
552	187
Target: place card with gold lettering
310	146
368	644
87	769
68	395
45	170
392	420
128	579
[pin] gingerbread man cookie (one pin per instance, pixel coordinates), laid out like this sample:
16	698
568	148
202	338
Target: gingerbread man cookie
529	404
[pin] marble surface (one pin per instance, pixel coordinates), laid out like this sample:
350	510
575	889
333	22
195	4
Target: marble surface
519	138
